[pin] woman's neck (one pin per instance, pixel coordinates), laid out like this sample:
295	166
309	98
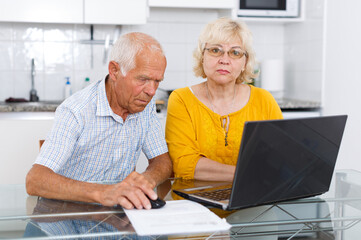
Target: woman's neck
221	98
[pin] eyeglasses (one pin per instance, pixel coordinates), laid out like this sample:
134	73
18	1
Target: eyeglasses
232	53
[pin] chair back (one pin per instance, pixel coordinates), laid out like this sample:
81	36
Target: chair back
41	143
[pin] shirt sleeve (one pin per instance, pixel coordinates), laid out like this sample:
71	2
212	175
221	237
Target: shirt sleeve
184	149
155	143
59	144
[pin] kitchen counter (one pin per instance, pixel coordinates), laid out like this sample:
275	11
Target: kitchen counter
292	104
50	106
43	106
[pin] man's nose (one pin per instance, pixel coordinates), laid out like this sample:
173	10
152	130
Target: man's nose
151	88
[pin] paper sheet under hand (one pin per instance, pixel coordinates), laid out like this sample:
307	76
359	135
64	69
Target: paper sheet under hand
176	217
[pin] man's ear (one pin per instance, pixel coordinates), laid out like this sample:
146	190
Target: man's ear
114	70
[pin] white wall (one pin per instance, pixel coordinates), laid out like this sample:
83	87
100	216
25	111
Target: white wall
342	82
58	50
304	54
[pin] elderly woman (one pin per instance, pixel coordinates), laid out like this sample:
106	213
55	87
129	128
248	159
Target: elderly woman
205	121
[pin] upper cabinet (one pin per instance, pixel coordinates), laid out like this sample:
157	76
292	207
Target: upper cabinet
97	11
54	11
218	4
115	11
75	11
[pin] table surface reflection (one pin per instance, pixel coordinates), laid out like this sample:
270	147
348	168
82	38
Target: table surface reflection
328	216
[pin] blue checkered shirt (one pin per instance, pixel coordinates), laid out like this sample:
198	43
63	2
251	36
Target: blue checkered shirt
89	142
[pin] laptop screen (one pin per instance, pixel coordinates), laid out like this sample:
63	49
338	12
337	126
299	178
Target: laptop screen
286	159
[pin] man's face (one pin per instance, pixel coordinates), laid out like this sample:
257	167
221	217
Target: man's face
135	90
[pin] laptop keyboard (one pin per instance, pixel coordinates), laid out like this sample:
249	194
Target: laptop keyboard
217	195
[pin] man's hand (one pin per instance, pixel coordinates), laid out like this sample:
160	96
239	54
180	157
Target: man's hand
130	193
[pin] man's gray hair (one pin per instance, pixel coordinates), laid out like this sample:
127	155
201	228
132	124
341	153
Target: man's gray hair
128	46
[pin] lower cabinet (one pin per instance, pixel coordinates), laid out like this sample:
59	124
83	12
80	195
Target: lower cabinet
300	114
19	143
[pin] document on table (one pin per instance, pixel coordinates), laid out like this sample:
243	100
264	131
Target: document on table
176	217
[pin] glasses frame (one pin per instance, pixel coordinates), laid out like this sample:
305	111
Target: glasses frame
222	52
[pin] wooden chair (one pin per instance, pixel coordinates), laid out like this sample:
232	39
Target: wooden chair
41	143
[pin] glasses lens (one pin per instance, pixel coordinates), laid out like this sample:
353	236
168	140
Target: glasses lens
215	51
234	53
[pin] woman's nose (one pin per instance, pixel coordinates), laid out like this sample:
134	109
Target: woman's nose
224	59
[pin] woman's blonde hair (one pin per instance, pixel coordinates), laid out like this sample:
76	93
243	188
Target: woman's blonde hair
225	30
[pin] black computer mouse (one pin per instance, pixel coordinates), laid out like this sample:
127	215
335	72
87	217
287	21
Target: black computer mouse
158	203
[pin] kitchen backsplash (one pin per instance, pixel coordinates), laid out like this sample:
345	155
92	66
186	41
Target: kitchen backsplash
59	51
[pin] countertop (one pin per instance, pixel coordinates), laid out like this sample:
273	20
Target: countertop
293	104
43	106
50	106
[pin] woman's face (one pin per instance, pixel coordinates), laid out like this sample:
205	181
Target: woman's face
223	63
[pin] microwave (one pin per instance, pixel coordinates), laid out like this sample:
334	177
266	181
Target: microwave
269	8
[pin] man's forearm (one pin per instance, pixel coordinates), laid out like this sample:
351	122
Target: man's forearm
42	181
160	169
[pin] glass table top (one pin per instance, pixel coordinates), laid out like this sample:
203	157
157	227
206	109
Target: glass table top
333	215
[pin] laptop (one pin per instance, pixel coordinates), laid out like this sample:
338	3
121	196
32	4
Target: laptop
278	160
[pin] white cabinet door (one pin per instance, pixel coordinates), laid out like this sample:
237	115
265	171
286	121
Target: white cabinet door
300	114
50	11
219	4
115	11
19	143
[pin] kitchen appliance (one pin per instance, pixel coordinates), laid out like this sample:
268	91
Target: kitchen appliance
269	8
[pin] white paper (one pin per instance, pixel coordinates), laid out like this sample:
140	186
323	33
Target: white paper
176	217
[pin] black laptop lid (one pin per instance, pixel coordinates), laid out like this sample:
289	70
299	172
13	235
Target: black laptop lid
286	159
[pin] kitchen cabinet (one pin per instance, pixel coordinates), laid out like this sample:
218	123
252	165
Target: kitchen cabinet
300	114
19	142
218	4
54	11
115	11
75	11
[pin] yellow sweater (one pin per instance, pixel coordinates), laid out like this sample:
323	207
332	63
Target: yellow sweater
194	131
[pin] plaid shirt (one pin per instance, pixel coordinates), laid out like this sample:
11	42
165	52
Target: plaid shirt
88	142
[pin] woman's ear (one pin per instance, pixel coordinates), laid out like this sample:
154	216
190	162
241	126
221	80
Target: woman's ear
113	69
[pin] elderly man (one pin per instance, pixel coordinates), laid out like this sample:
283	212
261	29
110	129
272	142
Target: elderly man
98	133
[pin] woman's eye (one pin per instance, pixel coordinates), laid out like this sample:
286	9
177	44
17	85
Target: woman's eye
235	53
216	50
